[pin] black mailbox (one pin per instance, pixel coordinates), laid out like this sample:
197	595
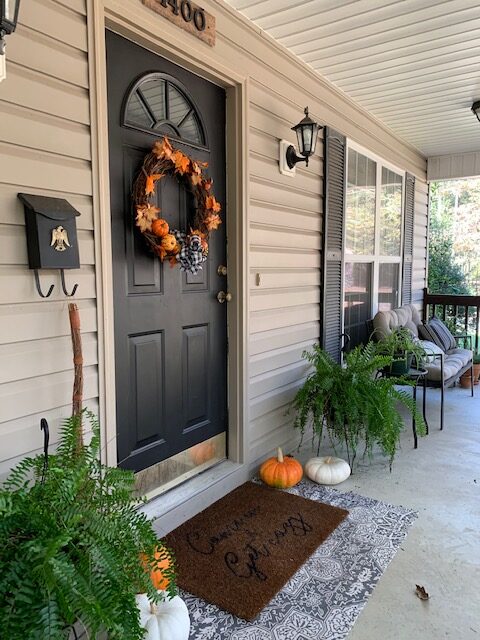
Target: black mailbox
51	236
51	232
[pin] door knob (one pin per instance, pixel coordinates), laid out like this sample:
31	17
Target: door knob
222	270
224	297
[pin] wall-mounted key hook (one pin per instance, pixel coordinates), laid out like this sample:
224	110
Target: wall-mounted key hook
39	287
64	287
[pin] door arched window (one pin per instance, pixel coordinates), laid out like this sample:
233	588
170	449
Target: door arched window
158	104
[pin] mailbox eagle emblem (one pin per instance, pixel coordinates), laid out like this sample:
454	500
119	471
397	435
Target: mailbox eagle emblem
59	239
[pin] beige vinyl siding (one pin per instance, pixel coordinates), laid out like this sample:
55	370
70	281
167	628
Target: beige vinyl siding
454	166
284	271
45	149
420	243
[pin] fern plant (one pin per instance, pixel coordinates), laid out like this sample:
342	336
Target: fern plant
352	404
71	539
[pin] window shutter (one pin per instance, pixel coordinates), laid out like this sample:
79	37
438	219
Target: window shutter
335	176
408	239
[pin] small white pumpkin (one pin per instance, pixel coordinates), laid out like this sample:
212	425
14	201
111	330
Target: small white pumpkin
168	620
327	470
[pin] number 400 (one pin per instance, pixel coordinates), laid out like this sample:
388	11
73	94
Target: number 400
184	8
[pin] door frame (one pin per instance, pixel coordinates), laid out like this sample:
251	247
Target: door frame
131	20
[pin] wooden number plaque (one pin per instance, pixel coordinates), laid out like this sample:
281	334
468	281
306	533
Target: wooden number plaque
188	16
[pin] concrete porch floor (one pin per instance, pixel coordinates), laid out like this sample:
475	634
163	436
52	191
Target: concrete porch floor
441	480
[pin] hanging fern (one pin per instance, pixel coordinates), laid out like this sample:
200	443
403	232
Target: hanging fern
70	545
351	403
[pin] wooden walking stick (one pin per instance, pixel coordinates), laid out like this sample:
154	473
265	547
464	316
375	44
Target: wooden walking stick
78	368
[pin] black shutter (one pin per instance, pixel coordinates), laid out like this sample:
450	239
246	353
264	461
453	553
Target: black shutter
335	176
408	239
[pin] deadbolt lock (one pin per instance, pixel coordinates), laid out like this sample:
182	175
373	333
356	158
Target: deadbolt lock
224	297
222	270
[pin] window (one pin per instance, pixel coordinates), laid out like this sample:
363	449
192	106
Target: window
158	104
373	241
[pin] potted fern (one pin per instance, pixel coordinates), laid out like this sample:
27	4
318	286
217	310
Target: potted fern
71	543
402	348
351	403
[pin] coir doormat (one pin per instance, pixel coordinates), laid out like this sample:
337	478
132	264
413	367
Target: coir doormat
240	551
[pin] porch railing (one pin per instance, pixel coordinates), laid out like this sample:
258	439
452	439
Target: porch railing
460	313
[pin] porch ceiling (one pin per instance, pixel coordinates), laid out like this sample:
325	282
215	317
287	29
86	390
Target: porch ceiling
414	64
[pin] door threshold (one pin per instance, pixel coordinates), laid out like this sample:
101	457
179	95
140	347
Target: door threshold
170	509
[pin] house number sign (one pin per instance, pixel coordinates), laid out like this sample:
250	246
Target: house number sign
188	16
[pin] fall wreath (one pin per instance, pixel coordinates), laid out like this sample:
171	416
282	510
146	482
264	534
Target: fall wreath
188	248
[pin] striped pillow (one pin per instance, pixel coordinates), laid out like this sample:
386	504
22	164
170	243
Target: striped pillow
437	332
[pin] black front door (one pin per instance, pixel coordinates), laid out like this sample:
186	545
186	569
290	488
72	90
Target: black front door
170	330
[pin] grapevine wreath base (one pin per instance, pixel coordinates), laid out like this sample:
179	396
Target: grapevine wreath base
188	248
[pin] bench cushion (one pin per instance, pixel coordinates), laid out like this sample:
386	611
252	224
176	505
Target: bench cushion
455	360
407	316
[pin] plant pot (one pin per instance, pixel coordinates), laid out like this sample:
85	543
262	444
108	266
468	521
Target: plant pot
465	382
476	373
401	364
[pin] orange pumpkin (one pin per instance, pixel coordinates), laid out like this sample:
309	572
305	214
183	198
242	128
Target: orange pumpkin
169	242
202	452
160	227
157	575
281	472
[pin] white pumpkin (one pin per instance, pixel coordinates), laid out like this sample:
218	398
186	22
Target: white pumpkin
168	620
327	470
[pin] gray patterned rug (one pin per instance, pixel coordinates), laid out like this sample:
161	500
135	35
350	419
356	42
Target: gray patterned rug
323	599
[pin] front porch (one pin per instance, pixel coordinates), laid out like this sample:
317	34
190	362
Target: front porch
441	481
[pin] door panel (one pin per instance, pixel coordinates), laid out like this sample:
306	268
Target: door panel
170	330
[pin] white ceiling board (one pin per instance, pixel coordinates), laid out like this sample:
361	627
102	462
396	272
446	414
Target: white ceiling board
414	64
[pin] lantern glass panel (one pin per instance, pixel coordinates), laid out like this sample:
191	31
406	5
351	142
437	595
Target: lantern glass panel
299	140
315	129
8	12
5	9
307	139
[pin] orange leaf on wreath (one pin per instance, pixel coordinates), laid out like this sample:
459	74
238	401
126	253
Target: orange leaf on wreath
182	162
147	211
196	168
196	179
150	183
212	204
146	214
160	251
213	221
163	149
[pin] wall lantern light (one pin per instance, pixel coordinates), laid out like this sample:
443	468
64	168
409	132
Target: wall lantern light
307	133
476	109
8	23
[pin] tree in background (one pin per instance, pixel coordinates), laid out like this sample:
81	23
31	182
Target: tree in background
454	237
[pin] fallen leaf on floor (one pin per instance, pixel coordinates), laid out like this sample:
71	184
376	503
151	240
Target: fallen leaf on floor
421	593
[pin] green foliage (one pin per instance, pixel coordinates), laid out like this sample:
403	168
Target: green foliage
398	344
454	234
351	403
70	545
